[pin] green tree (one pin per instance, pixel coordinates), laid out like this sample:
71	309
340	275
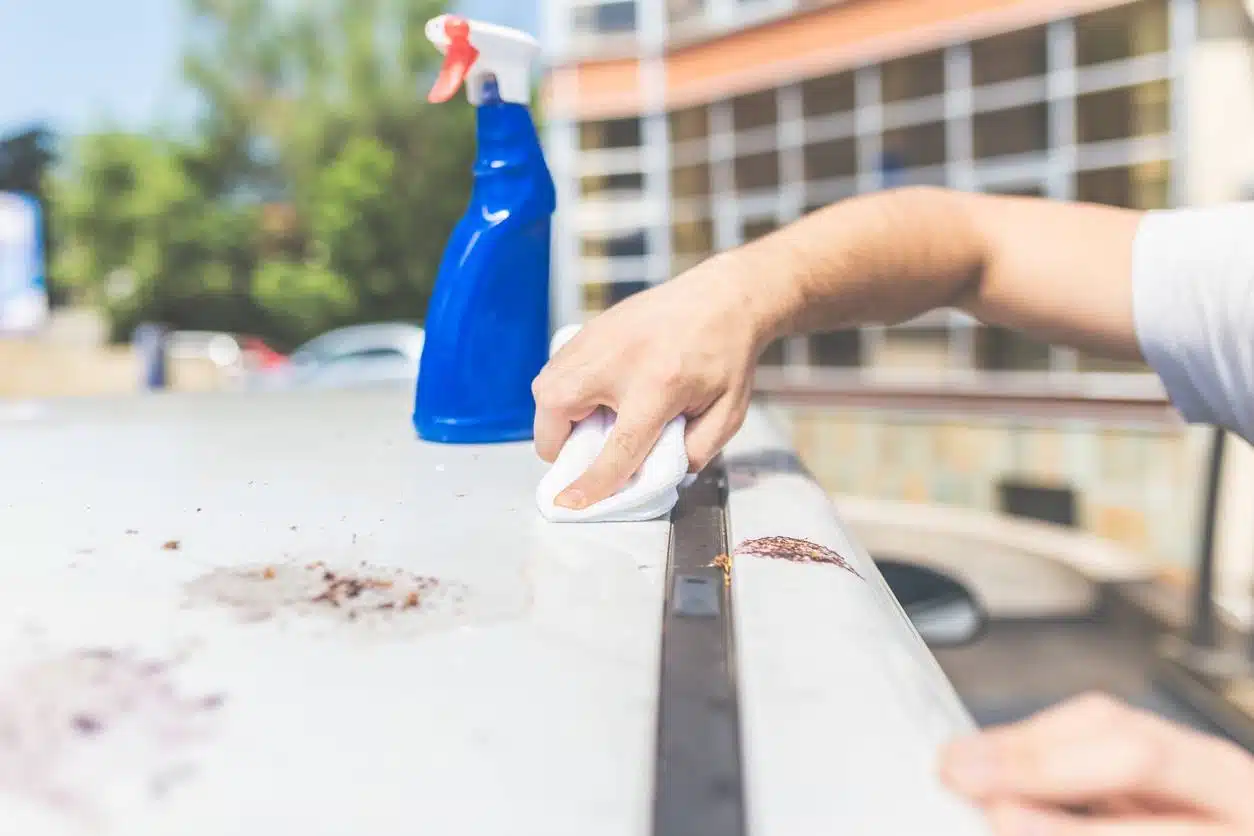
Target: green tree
322	107
317	189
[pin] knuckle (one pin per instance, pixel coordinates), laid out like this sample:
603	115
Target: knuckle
1022	756
1098	706
1148	758
668	372
563	389
625	441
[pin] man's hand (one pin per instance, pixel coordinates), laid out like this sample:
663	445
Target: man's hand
687	347
1060	272
1094	767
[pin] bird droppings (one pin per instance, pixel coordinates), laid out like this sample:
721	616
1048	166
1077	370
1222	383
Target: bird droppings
364	594
794	550
86	730
171	545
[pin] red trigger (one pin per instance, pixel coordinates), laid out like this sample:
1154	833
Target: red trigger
458	59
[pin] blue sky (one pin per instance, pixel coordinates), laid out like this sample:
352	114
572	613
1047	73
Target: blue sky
78	65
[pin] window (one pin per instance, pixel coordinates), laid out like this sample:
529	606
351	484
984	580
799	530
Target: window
1088	363
600	184
690	124
999	349
1122	32
1009	57
773	355
616	246
756	110
606	17
600	296
1144	186
835	158
917	145
913	77
690	181
1020	130
1018	191
839	349
757	171
1143	110
753	230
914	348
693	238
829	94
612	133
679	11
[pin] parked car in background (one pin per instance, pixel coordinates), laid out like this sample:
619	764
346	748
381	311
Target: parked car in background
357	355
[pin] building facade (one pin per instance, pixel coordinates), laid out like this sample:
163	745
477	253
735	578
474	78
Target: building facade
678	128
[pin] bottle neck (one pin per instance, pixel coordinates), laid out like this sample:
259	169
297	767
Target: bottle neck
504	131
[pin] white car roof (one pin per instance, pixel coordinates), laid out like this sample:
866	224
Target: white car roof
173	553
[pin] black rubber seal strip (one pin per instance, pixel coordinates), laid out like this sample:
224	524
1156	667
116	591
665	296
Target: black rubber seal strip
698	783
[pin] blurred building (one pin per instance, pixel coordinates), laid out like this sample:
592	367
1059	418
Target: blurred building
678	128
683	127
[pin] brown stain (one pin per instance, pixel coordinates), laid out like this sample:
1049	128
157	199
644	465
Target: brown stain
171	545
794	550
87	707
263	592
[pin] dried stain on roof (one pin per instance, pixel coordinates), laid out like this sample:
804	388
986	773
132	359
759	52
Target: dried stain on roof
86	724
794	550
363	595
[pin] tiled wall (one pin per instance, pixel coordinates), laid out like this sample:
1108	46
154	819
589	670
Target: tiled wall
1141	487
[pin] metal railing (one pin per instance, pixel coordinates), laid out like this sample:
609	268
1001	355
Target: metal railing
1114	397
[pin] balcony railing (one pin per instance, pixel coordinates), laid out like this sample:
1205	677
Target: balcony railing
1112	397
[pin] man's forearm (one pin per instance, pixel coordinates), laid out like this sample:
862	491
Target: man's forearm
1060	272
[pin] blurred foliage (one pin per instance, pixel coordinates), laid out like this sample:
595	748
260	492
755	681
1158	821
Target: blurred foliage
317	188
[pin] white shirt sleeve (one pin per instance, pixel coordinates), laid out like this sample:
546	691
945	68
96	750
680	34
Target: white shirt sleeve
1193	305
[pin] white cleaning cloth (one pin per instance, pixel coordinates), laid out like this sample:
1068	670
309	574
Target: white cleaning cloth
650	494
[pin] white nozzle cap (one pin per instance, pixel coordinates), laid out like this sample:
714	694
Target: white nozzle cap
505	54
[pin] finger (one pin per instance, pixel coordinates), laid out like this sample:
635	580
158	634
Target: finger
1011	819
970	765
636	429
552	429
707	434
1128	754
563	398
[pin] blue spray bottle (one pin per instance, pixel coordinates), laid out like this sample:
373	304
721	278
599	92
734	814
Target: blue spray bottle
487	328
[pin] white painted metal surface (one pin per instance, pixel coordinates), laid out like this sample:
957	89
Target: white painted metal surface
843	705
515	696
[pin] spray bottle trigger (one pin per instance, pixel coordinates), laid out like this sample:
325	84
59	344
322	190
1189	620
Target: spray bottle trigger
458	59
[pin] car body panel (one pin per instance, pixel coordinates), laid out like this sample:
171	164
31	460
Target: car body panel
519	699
